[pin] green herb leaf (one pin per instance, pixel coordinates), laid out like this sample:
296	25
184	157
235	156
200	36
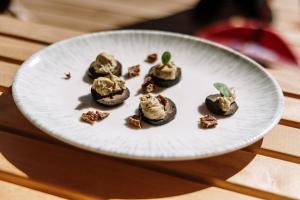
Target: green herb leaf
166	57
223	89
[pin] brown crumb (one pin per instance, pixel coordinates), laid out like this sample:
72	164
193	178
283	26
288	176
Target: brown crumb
208	121
164	101
134	71
151	58
148	85
135	121
90	116
67	76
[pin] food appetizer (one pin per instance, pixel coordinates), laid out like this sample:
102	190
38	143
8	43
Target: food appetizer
166	73
222	103
157	110
103	64
109	90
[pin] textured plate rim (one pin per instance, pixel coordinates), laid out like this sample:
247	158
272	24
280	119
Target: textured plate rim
244	143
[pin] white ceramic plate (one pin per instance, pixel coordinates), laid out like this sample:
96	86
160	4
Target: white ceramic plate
55	105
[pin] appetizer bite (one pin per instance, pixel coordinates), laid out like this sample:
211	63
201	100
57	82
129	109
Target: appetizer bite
223	103
157	110
166	73
104	64
109	90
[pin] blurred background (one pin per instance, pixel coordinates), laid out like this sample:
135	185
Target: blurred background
257	28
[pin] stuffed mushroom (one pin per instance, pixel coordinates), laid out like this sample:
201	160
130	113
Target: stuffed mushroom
223	103
104	64
109	90
157	110
166	73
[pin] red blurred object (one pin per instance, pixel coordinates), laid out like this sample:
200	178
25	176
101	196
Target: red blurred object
253	39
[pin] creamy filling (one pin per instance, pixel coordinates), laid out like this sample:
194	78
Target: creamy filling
109	85
225	102
104	63
166	72
152	108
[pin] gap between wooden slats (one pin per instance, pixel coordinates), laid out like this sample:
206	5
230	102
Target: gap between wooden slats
192	171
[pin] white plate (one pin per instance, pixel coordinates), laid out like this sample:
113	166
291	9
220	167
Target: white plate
55	105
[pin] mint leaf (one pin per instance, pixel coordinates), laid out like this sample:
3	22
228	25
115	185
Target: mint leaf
166	57
223	89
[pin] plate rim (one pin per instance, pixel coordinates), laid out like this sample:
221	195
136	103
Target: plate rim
278	113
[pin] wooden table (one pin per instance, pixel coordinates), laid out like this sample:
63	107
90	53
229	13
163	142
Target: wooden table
36	166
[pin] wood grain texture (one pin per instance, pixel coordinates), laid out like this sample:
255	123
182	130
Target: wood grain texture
17	49
9	191
288	78
291	112
33	31
96	14
8	71
101	177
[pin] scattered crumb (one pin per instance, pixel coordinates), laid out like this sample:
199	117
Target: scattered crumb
134	71
67	76
164	101
134	121
208	121
151	58
90	116
148	85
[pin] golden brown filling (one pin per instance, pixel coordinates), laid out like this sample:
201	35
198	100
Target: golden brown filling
108	85
152	107
166	72
104	63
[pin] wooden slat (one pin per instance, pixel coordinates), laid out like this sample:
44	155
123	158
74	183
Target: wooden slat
288	78
286	6
33	31
100	176
291	113
262	172
7	73
143	10
17	49
89	19
64	21
283	139
10	191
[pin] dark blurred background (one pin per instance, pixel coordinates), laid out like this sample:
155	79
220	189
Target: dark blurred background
93	15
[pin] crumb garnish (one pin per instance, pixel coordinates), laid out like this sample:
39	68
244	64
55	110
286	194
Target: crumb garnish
163	101
134	71
134	121
208	121
93	116
148	85
67	76
151	58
